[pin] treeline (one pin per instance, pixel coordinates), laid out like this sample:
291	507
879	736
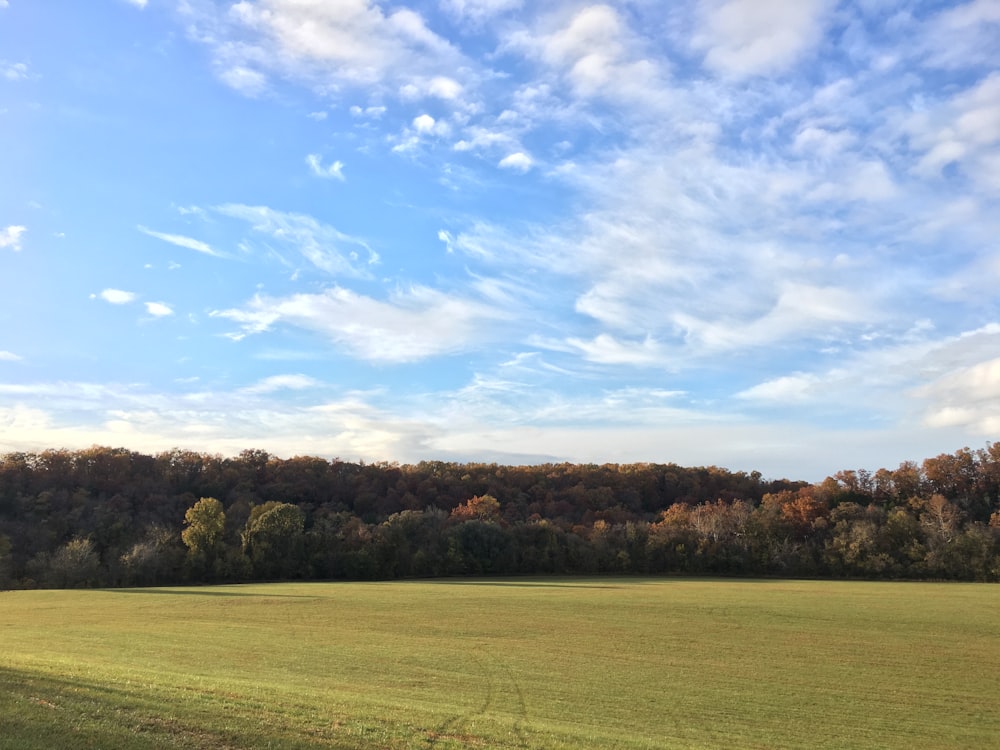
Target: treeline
113	517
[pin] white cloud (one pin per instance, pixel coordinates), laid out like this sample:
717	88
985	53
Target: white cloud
11	237
182	241
508	399
700	256
752	37
192	211
479	137
800	311
961	36
856	181
966	397
412	325
597	54
785	389
117	296
446	237
423	128
158	309
444	88
787	229
606	349
950	384
137	3
969	14
373	113
6	356
519	162
349	43
784	449
522	424
245	80
597	27
964	130
326	248
13	71
823	142
225	421
871	181
423	124
479	11
334	171
697	227
28	422
282	382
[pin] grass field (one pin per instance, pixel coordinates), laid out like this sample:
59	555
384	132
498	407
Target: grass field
563	663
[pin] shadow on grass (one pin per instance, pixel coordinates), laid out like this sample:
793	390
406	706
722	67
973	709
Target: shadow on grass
529	584
42	711
532	583
208	592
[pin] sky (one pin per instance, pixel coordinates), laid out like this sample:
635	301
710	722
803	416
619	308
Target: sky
755	234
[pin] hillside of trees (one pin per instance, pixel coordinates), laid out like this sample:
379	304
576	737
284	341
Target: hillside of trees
113	517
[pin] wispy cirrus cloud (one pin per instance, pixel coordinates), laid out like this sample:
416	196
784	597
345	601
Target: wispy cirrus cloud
943	382
411	325
181	241
722	223
660	257
325	247
6	356
607	349
796	193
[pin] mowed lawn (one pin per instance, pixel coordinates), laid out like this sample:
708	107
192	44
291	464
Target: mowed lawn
561	663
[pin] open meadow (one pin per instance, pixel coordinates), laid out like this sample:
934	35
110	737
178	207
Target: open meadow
535	663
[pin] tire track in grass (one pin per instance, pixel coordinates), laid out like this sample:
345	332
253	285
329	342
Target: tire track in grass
447	730
522	706
500	680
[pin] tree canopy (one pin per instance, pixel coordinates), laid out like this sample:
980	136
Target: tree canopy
109	516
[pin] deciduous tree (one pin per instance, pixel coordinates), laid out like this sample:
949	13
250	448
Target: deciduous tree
206	524
273	540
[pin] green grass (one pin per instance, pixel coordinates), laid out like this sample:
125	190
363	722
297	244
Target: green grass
562	663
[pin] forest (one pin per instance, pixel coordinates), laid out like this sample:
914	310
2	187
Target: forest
108	517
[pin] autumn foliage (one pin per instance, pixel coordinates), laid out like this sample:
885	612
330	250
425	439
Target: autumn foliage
110	517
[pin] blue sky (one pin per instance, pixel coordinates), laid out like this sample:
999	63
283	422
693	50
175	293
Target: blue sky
759	234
